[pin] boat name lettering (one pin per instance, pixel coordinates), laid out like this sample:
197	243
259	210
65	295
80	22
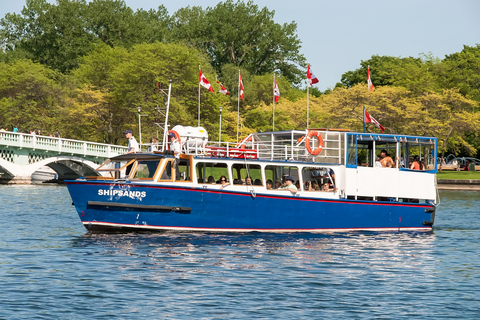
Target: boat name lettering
122	193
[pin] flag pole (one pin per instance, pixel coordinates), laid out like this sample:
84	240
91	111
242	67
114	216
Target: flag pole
363	119
199	98
273	123
238	106
307	104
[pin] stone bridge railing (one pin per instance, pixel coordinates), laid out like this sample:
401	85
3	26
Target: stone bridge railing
60	145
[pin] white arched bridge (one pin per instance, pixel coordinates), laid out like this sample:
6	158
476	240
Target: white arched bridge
24	157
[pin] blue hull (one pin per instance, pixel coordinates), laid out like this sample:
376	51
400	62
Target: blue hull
123	206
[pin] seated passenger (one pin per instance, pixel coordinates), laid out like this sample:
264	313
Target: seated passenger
257	182
308	186
223	181
211	180
269	184
289	186
297	184
248	181
315	185
326	187
278	184
417	164
386	160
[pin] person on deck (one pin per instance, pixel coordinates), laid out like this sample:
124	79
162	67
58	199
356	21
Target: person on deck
386	160
132	142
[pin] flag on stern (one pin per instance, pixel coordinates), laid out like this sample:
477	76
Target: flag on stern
241	86
368	118
203	81
222	88
276	91
371	87
311	79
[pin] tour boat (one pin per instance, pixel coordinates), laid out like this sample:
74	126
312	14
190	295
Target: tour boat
341	186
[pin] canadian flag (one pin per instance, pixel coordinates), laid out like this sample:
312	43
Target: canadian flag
311	79
222	88
276	91
371	87
368	118
203	81
241	86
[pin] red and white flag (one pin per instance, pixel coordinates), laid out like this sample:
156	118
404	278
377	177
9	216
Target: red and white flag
222	88
368	118
276	91
241	86
203	81
371	87
311	79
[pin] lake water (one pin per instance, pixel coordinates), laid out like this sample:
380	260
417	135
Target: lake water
50	268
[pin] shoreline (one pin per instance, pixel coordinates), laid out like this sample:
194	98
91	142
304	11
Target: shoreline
454	184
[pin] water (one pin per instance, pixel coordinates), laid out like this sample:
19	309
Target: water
50	268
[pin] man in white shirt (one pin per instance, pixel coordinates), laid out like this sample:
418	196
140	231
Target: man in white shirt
132	148
132	142
174	145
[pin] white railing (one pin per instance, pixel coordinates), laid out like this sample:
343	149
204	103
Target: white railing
60	145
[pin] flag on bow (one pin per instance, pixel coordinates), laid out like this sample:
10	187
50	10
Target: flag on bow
368	118
371	87
276	91
222	88
311	79
203	81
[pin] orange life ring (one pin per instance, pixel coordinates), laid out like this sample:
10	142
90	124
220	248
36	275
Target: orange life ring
177	136
320	143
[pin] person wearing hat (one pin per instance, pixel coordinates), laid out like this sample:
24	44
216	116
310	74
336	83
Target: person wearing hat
132	142
289	185
174	145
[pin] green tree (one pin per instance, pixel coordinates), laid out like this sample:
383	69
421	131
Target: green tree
241	34
31	97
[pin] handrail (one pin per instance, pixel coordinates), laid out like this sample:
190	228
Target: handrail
60	145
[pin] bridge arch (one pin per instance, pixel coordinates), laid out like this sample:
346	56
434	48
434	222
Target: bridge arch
66	167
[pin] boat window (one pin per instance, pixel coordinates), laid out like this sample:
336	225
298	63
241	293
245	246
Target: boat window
318	179
115	168
391	151
425	150
210	172
167	171
184	170
146	169
278	174
243	173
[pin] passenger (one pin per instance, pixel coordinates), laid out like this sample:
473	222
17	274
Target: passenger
326	187
257	182
132	148
278	184
248	181
175	147
308	186
211	180
269	184
417	164
223	181
153	145
315	186
297	184
289	186
386	160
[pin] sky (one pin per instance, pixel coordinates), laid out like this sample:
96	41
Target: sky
337	35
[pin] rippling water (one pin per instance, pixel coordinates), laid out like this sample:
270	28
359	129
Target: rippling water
50	268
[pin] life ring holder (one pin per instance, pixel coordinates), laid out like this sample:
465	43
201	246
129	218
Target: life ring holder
317	150
177	136
241	144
